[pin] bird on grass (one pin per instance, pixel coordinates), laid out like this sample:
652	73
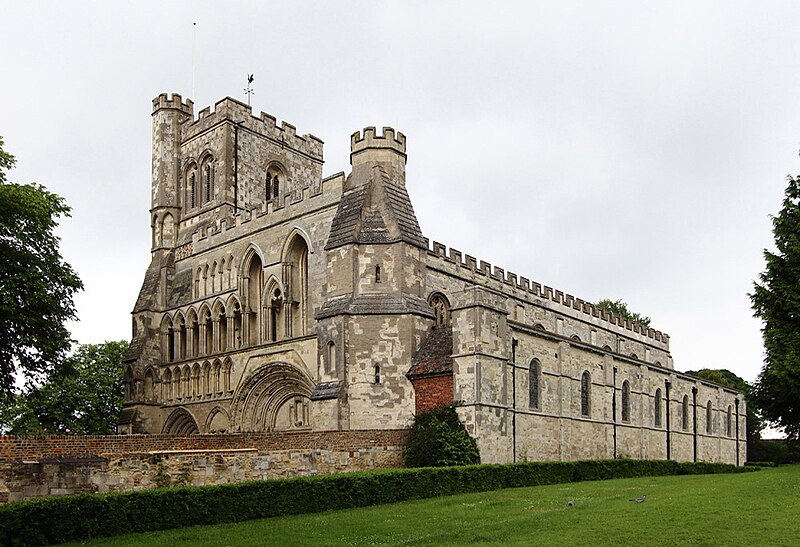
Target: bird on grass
639	499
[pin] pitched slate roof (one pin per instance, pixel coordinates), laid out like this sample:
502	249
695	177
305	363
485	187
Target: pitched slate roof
434	357
375	304
375	209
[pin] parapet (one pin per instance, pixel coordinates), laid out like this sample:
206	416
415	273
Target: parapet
173	102
368	140
231	110
521	283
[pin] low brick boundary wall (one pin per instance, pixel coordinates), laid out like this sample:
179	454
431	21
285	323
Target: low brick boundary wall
44	466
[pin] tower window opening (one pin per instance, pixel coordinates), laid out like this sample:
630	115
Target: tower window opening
626	401
209	183
377	274
275	187
657	409
586	383
377	374
192	191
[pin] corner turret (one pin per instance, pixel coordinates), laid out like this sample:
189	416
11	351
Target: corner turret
169	114
389	149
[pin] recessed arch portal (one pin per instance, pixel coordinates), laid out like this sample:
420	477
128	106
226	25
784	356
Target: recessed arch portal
275	397
180	422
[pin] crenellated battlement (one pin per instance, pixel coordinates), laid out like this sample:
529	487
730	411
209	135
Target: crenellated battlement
367	147
173	102
233	111
520	283
366	139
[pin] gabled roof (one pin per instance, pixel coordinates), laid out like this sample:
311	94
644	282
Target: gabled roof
434	357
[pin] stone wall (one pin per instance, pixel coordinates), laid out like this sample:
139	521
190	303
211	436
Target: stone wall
33	467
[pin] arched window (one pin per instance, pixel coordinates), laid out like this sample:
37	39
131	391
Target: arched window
534	386
708	417
275	314
166	385
254	282
657	408
192	190
685	413
586	395
237	326
728	423
331	362
441	309
296	286
377	374
196	380
176	380
377	274
626	401
180	328
207	387
208	175
169	341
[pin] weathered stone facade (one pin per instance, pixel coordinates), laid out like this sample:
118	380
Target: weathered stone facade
279	300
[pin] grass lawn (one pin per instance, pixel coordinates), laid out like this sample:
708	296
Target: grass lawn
761	508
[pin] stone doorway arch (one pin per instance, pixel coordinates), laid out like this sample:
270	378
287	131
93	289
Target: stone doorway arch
275	397
180	422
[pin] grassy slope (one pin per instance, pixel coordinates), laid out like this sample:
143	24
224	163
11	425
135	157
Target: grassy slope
760	508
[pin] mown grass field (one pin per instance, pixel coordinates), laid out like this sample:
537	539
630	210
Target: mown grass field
761	508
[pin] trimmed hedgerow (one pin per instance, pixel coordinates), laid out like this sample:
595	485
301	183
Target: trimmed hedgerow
439	439
57	520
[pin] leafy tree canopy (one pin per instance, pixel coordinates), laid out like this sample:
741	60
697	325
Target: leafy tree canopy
36	285
83	397
619	307
776	301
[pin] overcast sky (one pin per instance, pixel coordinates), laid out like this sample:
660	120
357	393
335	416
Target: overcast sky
608	149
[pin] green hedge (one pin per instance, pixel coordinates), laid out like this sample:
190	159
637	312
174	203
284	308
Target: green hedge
56	520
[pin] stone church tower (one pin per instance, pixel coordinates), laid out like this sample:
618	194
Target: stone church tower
277	299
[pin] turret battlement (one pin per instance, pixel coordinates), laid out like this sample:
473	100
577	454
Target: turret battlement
363	140
485	269
173	102
232	111
367	147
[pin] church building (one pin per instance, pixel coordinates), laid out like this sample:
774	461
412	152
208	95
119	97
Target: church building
279	299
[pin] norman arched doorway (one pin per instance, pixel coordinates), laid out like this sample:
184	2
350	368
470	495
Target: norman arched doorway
275	397
180	422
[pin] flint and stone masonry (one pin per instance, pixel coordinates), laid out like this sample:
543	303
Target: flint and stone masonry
279	300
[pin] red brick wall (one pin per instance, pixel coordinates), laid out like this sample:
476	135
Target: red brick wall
82	446
432	392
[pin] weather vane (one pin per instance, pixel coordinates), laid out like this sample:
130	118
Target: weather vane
249	90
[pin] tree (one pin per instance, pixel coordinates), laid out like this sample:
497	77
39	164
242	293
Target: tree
776	301
36	285
438	438
82	397
755	423
619	307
